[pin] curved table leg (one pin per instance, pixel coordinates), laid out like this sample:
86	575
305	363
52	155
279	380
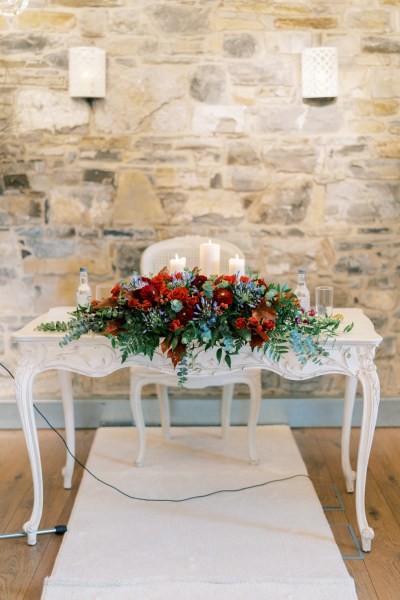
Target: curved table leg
350	394
255	403
69	422
371	392
136	405
226	407
165	413
23	386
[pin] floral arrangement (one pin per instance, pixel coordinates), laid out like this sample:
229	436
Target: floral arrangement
187	311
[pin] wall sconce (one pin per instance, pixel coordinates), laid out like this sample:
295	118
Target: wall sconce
11	8
319	72
87	72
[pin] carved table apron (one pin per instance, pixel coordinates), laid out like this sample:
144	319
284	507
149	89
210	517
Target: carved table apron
350	354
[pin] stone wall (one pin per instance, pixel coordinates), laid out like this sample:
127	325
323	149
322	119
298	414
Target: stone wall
203	131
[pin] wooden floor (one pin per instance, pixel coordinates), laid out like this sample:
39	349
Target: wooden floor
377	575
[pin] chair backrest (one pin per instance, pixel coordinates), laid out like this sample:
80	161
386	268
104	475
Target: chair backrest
158	255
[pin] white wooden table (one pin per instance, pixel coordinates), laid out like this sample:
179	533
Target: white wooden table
351	354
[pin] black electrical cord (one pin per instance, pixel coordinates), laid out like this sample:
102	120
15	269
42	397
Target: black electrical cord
175	500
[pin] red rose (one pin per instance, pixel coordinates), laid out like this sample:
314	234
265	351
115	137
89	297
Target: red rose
229	278
240	323
269	324
159	281
133	303
253	322
179	293
244	279
116	290
223	296
175	325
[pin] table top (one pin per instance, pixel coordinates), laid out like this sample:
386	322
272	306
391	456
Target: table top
363	331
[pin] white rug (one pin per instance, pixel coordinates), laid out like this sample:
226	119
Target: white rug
271	542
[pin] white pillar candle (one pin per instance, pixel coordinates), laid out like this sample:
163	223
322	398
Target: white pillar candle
236	266
209	258
176	265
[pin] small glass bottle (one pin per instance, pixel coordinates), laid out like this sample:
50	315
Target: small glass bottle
84	293
302	291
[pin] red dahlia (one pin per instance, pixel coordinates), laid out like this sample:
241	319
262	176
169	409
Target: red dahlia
223	296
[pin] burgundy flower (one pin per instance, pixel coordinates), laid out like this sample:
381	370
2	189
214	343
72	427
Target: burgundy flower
199	280
223	296
149	292
185	315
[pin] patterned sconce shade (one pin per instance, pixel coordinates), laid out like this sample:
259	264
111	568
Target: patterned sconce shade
10	8
87	72
319	68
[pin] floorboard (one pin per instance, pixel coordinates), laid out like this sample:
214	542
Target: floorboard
377	575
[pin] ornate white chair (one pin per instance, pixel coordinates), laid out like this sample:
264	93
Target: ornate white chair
153	259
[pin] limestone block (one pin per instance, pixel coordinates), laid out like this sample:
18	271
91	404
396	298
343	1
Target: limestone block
322	119
271	72
388	149
354	82
136	202
51	21
136	95
175	19
89	3
282	204
127	259
234	23
171	118
243	153
52	248
91	206
362	18
207	118
93	23
366	108
247	178
292	159
366	126
17	295
361	202
384	300
16	43
274	120
386	84
208	84
377	168
218	204
380	44
128	21
53	111
20	209
241	45
10	251
307	23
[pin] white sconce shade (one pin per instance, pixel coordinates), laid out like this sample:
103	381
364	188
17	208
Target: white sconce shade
87	72
319	72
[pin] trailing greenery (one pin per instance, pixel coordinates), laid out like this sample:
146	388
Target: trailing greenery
185	312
